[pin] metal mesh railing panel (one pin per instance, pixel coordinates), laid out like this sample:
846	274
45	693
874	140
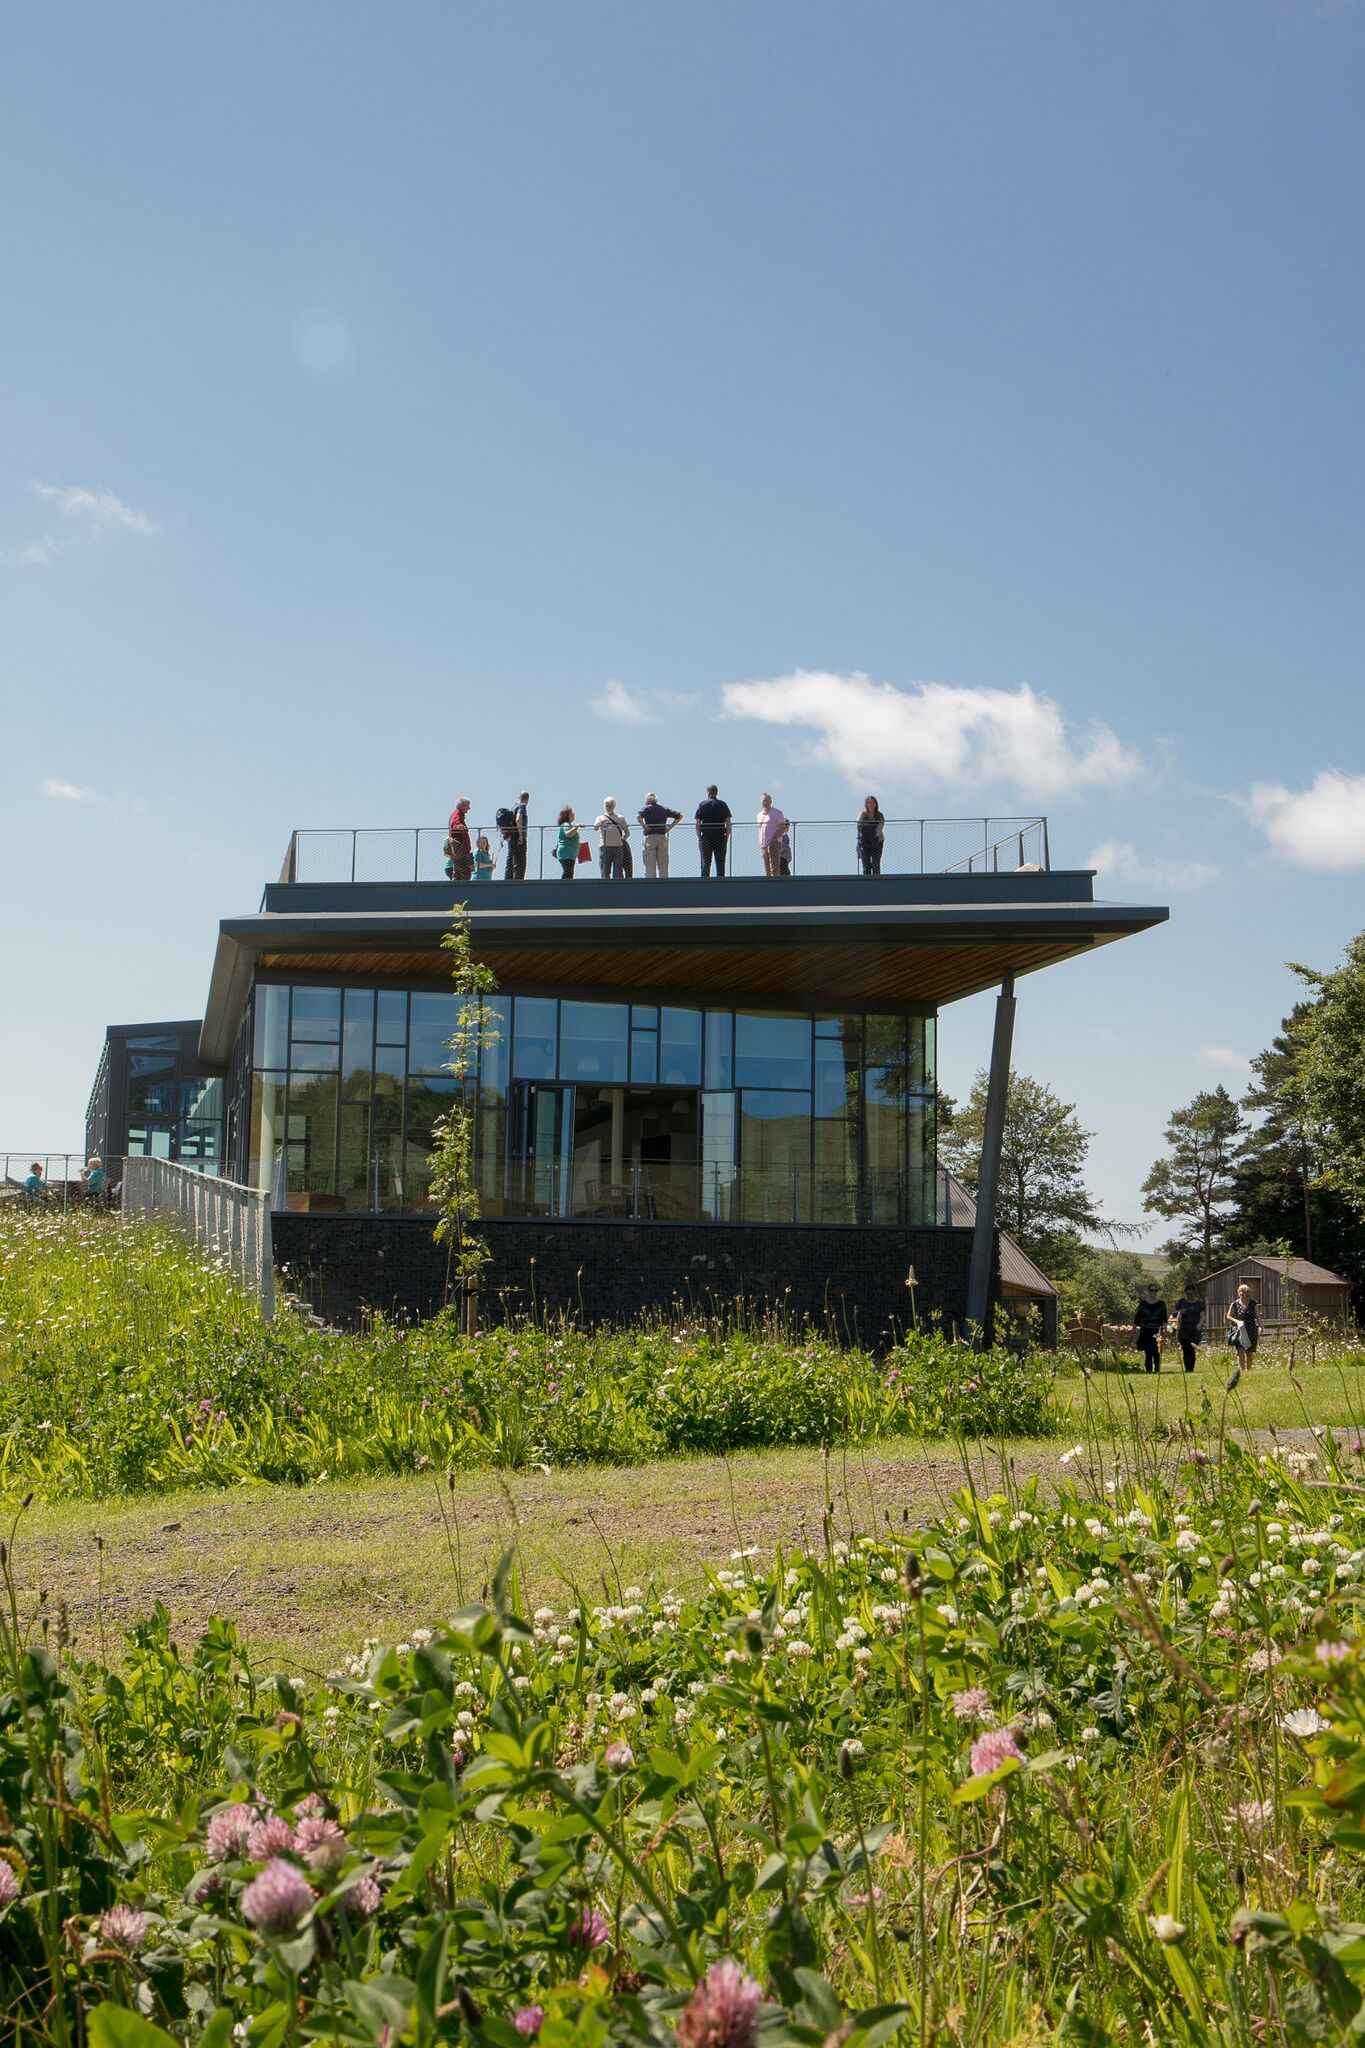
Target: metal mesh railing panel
223	1217
819	846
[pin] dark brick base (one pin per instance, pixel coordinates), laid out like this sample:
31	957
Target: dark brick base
850	1282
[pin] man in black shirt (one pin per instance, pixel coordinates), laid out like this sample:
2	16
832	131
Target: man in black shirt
1149	1321
713	830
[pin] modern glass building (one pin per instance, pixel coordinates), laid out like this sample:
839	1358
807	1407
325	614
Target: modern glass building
153	1097
587	1107
683	1084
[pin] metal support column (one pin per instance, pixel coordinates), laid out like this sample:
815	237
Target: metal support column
997	1091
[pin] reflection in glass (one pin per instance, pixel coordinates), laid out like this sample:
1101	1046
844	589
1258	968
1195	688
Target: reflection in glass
593	1041
884	1139
392	1017
357	1036
272	1027
771	1050
433	1022
311	1141
317	1013
267	1127
644	1057
680	1048
838	1179
775	1155
718	1155
314	1059
838	1067
386	1137
533	1040
720	1041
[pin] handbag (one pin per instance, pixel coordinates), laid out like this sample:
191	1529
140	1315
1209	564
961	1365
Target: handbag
584	851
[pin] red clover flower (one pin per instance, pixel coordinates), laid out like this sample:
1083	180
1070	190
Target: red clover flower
992	1749
123	1927
722	2011
277	1900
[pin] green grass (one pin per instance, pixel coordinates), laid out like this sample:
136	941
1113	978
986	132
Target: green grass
1268	1396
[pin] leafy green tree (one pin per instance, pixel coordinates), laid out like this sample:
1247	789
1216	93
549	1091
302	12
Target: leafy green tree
454	1187
1331	1071
1104	1281
1043	1203
1192	1185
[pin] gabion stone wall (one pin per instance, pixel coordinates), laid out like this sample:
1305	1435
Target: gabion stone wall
851	1282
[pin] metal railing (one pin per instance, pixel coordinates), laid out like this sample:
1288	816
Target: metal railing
61	1175
224	1217
819	846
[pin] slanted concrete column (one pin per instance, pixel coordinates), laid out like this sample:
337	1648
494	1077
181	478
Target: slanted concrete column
983	1236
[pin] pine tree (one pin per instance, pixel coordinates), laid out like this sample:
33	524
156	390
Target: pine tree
1192	1184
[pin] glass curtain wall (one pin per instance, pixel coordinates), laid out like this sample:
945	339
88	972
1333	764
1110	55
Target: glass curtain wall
597	1109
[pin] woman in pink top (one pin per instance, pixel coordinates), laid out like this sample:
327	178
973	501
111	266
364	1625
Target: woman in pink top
771	826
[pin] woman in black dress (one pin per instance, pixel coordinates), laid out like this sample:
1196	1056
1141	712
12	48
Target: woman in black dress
871	833
1244	1330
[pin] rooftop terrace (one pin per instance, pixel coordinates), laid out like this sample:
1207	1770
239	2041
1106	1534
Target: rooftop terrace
820	846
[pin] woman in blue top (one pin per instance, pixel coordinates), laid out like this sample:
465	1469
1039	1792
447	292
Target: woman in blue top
483	860
566	845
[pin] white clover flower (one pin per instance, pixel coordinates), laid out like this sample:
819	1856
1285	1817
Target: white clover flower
542	1615
1090	1735
1166	1928
797	1649
1095	1528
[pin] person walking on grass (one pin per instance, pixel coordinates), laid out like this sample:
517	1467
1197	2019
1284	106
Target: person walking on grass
567	842
871	834
771	825
1189	1323
1244	1328
613	832
714	826
1149	1321
656	822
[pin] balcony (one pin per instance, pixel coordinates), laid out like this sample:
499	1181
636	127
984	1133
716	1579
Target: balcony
820	846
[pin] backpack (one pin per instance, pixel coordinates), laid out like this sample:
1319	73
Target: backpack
505	820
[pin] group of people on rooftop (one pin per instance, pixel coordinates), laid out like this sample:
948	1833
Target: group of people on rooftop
468	859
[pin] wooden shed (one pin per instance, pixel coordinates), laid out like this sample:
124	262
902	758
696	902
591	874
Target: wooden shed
1023	1286
1284	1289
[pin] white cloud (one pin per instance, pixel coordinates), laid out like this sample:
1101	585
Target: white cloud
935	733
40	554
1226	1056
1322	826
621	706
98	510
69	792
1119	860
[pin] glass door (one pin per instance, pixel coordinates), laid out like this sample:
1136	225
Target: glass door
540	1148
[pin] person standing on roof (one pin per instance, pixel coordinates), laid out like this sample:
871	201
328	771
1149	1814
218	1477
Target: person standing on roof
656	822
871	833
613	832
714	826
771	825
459	848
514	869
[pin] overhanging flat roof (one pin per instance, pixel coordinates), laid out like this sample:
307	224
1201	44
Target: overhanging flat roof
921	940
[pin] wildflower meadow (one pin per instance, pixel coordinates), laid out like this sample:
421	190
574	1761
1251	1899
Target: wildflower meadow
1076	1758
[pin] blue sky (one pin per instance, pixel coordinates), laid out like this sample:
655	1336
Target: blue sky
377	385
